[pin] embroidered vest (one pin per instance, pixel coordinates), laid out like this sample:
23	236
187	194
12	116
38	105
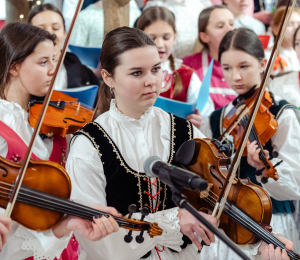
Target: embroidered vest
185	74
126	186
246	170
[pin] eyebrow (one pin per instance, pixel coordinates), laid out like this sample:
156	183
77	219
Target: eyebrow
139	68
243	62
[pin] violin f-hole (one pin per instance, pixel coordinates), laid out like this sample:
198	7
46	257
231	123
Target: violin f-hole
211	172
6	172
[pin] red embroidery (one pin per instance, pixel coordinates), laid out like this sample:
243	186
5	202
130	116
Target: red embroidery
151	182
152	208
157	250
153	197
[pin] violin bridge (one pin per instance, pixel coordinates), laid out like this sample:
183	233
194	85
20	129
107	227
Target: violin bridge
205	193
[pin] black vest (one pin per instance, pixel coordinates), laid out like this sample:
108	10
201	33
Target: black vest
126	186
246	170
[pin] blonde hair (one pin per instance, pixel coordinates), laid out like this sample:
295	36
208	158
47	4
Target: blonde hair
159	13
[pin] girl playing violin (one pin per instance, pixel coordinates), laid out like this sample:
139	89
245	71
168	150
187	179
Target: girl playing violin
242	58
180	82
26	69
106	157
214	23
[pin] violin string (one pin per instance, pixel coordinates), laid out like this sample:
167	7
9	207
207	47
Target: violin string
92	211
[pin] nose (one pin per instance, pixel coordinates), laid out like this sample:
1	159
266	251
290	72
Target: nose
150	80
51	68
159	42
236	75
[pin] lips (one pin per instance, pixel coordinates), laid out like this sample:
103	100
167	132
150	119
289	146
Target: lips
161	54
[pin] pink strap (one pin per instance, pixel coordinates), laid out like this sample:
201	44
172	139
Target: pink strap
16	146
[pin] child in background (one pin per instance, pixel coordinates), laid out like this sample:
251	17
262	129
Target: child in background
241	19
214	23
180	81
287	58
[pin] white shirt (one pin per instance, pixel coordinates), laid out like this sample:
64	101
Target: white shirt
286	142
251	23
61	81
22	242
137	140
187	14
193	89
289	56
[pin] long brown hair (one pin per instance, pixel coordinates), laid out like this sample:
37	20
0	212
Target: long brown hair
115	43
204	18
158	13
17	42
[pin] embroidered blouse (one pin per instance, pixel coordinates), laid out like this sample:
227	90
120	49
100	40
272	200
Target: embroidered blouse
23	243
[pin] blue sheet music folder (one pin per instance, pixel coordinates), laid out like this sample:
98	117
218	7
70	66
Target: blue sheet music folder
183	109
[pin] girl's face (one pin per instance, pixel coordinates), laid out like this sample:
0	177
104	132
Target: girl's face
220	22
137	80
53	23
237	7
241	70
297	44
164	37
292	26
34	74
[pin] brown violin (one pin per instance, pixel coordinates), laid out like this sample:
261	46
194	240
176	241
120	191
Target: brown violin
43	199
247	213
265	125
64	115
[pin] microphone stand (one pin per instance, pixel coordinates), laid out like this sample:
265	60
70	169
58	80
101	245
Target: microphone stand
182	202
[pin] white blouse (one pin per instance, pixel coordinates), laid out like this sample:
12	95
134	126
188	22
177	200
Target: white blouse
137	140
194	87
286	142
22	242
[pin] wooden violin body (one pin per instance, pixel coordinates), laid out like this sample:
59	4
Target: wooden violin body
64	115
44	196
212	165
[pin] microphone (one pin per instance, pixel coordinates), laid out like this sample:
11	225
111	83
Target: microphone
172	175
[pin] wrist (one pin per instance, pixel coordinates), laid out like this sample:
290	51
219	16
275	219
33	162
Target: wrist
61	229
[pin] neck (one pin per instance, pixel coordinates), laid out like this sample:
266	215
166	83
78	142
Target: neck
129	111
213	53
239	15
287	45
56	58
17	94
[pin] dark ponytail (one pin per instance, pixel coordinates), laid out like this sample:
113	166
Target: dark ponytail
115	43
242	39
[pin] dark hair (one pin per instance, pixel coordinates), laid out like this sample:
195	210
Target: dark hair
116	43
204	18
295	34
42	8
242	39
17	42
159	13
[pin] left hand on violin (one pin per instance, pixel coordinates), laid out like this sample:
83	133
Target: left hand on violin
253	155
268	252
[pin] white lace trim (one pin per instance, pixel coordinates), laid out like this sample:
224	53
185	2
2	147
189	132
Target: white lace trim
118	114
32	243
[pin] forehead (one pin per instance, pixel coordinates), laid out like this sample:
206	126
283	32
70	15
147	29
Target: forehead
235	57
220	15
142	57
46	17
158	26
43	49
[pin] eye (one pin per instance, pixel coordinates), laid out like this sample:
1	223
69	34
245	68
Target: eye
167	38
137	73
244	66
44	63
226	68
156	69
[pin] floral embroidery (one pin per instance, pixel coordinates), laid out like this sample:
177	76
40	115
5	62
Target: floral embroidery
16	158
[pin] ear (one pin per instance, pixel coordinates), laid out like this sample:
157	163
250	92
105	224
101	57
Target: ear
204	37
263	65
14	70
107	78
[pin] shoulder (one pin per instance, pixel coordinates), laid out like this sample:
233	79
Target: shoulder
71	58
194	60
10	112
255	22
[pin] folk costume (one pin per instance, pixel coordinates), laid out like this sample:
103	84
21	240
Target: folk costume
220	93
106	168
287	143
190	81
15	134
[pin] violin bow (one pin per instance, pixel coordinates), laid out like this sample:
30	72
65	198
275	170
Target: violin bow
37	127
234	165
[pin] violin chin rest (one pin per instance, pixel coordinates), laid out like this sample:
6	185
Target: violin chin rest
185	153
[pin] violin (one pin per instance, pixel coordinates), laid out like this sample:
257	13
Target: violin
43	199
247	213
64	115
264	127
